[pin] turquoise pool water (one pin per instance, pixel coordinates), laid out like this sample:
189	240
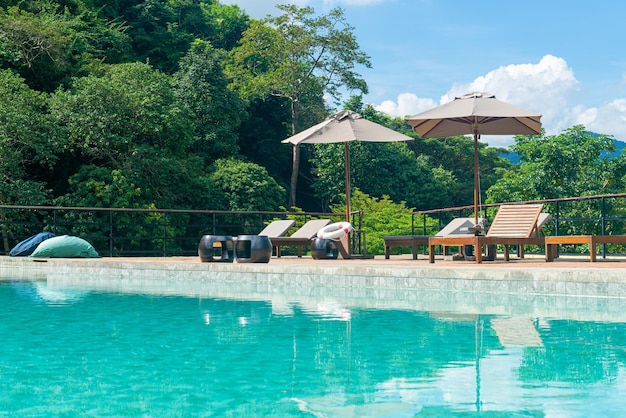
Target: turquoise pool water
80	352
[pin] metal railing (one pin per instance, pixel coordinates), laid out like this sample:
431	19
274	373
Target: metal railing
146	232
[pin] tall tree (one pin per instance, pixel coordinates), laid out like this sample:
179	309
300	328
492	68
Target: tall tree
298	55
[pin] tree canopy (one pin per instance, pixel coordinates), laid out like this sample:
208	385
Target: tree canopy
298	56
573	163
183	105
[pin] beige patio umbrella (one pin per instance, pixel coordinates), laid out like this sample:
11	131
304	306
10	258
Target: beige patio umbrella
346	126
476	114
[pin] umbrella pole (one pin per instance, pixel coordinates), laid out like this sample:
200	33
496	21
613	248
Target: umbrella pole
476	191
346	155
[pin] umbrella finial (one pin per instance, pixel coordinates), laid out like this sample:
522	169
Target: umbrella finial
477	95
345	114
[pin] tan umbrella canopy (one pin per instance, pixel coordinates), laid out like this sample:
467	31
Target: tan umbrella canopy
346	126
475	114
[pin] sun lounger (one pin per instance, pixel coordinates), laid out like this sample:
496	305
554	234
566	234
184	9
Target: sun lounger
301	238
456	227
553	242
513	225
277	228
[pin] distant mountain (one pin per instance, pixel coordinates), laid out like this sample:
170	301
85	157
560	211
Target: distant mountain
619	147
514	157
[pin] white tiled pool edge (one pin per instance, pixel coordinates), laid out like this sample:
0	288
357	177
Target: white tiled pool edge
505	278
578	293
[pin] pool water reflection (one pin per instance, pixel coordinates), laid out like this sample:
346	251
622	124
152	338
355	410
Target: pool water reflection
99	353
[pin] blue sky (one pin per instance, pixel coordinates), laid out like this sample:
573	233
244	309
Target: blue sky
563	59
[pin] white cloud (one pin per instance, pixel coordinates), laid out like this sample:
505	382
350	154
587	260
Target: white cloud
607	119
408	104
548	87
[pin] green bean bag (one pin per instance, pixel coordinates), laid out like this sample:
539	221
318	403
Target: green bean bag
65	246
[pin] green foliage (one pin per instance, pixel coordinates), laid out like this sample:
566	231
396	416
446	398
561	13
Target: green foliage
381	217
260	134
47	43
29	140
108	118
130	120
297	53
201	86
247	186
298	56
379	169
573	163
454	159
566	165
161	31
226	23
101	187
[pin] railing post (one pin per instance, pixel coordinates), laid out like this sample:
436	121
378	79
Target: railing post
556	218
603	223
110	233
164	234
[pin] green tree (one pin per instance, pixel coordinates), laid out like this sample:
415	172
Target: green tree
573	163
109	117
48	44
156	33
381	217
246	186
379	169
130	120
261	130
226	24
298	55
455	155
29	141
201	85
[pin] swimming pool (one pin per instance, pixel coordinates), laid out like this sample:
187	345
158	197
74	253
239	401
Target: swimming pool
70	351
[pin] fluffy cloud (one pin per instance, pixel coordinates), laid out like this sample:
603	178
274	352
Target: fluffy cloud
408	104
548	87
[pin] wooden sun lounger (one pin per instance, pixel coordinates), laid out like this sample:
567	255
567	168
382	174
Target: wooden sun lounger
553	242
456	227
413	241
513	225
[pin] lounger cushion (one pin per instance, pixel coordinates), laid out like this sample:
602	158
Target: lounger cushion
65	246
27	246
